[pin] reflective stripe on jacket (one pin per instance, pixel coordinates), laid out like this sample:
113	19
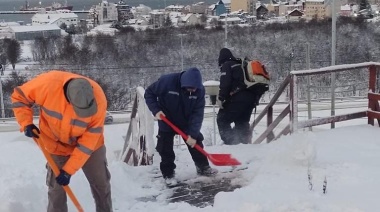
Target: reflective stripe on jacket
62	131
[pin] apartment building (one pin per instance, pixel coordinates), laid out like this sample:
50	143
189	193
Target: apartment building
245	5
106	12
315	9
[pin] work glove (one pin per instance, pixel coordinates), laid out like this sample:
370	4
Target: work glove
29	131
191	141
63	178
159	114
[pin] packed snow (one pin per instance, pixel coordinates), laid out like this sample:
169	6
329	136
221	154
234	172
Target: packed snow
276	178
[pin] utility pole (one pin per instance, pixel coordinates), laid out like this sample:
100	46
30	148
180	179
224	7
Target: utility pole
181	35
333	50
1	93
308	83
225	31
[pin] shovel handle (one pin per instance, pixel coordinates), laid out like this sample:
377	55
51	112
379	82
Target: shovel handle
55	169
181	133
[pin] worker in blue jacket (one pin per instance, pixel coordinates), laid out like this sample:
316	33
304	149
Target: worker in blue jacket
180	97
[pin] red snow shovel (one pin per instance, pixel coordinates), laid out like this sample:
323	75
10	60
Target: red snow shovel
55	169
216	159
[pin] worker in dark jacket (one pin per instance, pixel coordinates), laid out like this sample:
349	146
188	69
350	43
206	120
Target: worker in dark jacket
235	101
181	98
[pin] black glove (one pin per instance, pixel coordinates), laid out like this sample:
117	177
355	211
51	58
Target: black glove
29	131
63	178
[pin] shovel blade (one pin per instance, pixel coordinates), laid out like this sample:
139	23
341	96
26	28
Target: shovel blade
223	160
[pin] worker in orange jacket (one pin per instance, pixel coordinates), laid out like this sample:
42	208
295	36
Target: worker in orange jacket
72	114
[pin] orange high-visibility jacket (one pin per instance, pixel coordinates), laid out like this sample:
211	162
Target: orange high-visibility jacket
62	131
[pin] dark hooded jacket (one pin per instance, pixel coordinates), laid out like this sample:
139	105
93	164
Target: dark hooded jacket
232	87
184	109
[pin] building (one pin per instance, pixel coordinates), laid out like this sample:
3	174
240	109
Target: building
188	20
227	4
284	9
199	8
175	8
124	12
345	10
245	5
295	15
157	18
217	9
21	33
6	31
273	9
315	9
261	12
57	18
106	12
141	10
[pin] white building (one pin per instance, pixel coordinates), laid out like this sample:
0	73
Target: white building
141	10
106	12
55	18
157	18
32	32
6	31
188	20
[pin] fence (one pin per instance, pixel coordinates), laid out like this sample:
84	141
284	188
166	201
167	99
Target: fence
372	70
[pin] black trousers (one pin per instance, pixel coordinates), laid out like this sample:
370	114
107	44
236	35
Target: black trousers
165	141
238	113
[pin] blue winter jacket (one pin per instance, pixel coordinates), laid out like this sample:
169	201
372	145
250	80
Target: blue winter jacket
182	108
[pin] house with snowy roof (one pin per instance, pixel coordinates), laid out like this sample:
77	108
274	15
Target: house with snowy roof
188	20
198	8
55	18
34	31
295	15
217	9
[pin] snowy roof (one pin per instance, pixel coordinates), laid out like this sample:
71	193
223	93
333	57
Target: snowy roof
231	19
345	7
34	28
315	1
132	21
54	16
175	6
175	14
186	17
7	24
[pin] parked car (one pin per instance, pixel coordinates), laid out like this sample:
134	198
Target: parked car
109	118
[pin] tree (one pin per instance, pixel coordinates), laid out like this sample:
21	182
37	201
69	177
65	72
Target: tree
168	22
214	22
13	52
71	29
203	19
63	26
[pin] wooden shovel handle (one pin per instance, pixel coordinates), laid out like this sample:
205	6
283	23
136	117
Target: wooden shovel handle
56	171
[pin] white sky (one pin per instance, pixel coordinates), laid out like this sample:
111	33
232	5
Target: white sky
276	178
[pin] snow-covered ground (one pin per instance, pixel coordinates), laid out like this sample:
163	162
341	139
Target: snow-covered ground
276	178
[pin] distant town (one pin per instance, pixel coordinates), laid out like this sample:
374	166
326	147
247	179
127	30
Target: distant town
108	18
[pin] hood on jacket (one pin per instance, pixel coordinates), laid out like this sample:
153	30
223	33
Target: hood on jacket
225	55
191	78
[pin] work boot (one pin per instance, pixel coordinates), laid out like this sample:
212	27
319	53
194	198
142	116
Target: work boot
206	171
170	180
